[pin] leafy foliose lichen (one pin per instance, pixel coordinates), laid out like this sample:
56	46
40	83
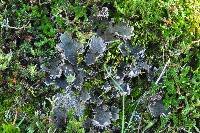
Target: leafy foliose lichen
96	48
72	75
156	106
122	30
70	48
102	117
54	69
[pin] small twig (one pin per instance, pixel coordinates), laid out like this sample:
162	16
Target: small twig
163	56
7	26
11	27
163	72
181	128
196	41
139	126
16	114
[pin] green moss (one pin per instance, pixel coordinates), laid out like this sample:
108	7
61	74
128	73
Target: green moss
9	128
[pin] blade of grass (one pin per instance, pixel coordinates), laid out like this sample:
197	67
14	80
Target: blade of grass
123	115
20	122
162	73
148	126
197	129
118	87
138	101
